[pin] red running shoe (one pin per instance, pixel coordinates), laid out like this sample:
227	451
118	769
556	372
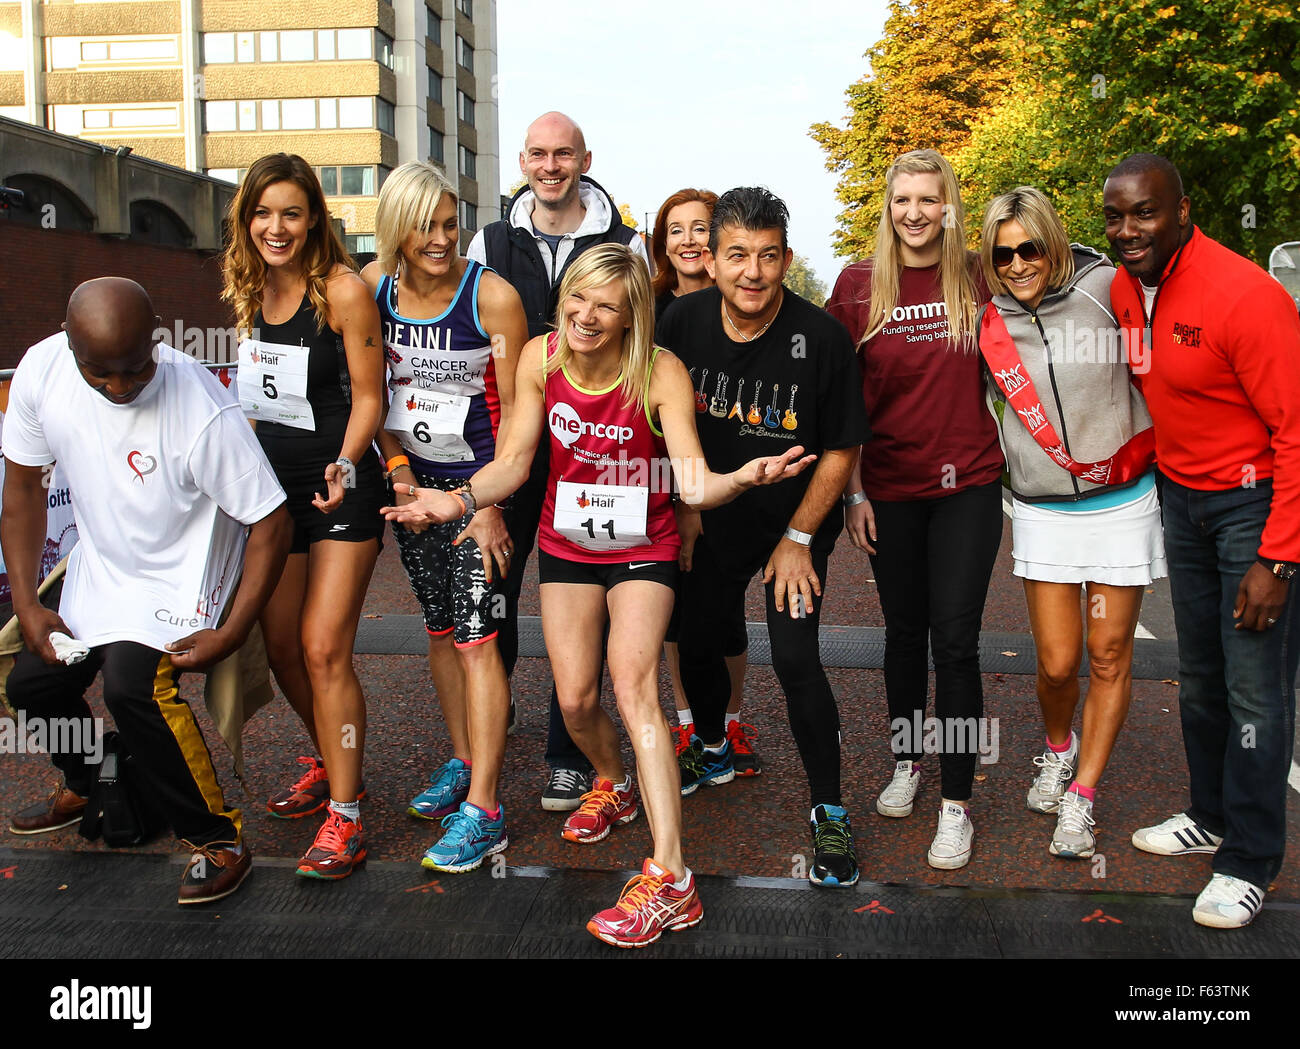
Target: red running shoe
743	737
307	795
602	808
337	850
648	905
681	738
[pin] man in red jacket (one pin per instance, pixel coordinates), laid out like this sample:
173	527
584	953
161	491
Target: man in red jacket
1222	342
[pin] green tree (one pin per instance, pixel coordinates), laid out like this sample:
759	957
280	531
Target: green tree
801	280
940	65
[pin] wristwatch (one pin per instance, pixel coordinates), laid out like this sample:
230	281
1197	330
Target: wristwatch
1284	570
796	536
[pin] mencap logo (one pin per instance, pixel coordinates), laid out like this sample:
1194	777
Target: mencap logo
567	426
141	464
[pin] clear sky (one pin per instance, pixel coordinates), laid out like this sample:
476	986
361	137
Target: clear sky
707	93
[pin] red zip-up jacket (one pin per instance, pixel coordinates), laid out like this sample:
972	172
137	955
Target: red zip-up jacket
1223	384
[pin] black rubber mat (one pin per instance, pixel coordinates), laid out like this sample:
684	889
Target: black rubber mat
110	906
841	646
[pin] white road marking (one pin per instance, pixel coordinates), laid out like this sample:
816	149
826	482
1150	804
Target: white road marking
1294	778
1141	631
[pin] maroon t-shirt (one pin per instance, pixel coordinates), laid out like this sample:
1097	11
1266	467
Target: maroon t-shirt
931	433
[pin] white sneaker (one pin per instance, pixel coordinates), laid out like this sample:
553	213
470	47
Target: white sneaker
1073	838
1054	774
1228	903
1180	835
896	799
952	841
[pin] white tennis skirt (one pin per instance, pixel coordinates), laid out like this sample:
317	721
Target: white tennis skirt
1120	546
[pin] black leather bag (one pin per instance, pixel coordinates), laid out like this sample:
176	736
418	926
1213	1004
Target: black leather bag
118	810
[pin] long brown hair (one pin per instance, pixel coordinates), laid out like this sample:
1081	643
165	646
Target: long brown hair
954	266
244	268
665	275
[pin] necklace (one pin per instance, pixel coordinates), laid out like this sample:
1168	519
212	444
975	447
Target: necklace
749	338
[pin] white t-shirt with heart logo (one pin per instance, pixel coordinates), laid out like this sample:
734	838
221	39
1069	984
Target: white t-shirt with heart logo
165	487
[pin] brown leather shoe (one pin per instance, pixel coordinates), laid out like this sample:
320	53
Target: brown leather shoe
215	870
61	809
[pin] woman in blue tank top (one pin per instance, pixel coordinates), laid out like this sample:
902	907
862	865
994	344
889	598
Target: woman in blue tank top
452	334
311	377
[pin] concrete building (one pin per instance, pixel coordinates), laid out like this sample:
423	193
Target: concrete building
355	87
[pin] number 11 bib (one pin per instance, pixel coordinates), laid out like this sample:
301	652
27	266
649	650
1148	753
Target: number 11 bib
601	516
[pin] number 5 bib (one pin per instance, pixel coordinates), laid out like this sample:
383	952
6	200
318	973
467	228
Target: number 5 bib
601	516
273	383
430	424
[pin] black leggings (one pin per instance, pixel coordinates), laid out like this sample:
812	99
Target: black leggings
932	563
713	609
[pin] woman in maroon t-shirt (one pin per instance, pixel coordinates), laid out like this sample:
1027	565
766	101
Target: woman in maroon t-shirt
929	493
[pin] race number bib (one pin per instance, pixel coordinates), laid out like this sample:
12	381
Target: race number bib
273	383
601	516
429	424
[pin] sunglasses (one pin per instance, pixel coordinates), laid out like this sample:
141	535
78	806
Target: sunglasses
1029	251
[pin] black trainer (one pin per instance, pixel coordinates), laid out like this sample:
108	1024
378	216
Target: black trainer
834	861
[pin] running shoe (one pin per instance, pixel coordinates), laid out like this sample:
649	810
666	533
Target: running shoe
647	906
742	737
447	788
564	790
472	836
952	843
1180	835
1054	772
834	861
337	851
307	795
897	798
603	807
702	766
1073	838
681	738
1228	903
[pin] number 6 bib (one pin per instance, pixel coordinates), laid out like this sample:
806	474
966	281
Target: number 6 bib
601	516
430	424
273	383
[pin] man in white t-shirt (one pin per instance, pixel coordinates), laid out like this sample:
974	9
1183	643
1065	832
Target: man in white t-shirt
168	477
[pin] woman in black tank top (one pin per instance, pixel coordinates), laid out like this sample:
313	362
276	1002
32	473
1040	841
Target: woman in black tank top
311	375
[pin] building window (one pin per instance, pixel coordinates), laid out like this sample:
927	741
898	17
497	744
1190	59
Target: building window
298	45
464	107
350	180
219	116
218	48
296	114
385	116
354	43
224	174
468	215
384	49
436	146
435	88
467	162
359	243
434	31
464	53
70	52
466	7
356	112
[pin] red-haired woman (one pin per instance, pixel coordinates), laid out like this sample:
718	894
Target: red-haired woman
311	373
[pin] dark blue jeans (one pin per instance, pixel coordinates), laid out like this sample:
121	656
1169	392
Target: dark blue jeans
1236	687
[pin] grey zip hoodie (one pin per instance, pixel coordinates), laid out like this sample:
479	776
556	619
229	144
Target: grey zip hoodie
1072	352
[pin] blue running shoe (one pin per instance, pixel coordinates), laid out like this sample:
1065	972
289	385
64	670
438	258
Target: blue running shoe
448	787
472	836
835	862
700	766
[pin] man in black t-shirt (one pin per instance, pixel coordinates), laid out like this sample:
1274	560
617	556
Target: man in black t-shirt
780	372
